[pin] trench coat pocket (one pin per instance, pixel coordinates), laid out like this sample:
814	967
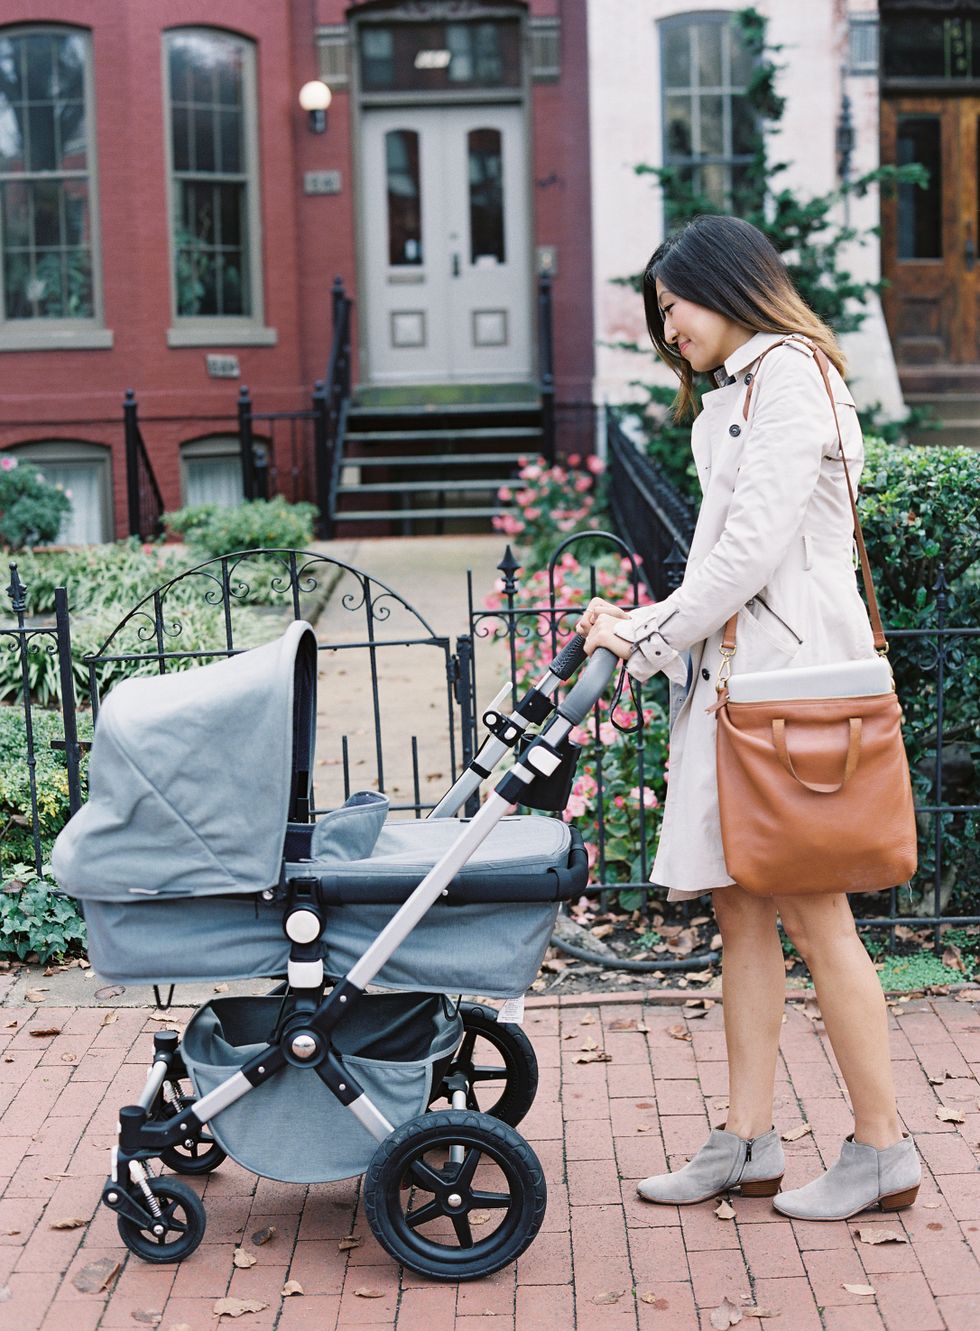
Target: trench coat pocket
763	639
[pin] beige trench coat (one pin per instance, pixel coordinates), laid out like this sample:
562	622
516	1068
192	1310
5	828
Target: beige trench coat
774	541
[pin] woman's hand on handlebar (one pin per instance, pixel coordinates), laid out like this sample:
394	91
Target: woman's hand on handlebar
597	606
603	634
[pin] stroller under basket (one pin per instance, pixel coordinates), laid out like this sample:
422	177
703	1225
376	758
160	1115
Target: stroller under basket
196	859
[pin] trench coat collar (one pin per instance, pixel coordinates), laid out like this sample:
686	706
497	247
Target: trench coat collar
743	356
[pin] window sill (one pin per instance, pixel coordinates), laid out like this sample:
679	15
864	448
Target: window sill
55	339
217	336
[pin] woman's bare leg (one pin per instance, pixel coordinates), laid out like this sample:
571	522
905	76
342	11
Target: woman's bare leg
754	988
853	1008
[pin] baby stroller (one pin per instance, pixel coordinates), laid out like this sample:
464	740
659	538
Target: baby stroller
195	858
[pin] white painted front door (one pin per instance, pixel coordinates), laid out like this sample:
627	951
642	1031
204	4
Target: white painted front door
447	247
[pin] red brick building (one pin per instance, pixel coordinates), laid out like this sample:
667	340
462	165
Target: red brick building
170	216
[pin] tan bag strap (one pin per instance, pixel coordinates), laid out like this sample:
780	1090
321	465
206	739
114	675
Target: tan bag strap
823	363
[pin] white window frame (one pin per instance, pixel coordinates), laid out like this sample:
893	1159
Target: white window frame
65	334
41	451
221	330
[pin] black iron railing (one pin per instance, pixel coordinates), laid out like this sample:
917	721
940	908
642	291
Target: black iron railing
143	499
546	366
655	520
331	403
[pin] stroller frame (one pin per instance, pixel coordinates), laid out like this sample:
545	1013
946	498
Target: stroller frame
541	778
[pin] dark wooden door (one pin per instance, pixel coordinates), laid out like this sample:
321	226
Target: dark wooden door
930	238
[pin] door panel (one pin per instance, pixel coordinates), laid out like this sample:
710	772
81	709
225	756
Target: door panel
929	236
446	244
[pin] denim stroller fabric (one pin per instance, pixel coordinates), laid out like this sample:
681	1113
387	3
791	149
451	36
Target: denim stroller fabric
292	1128
350	832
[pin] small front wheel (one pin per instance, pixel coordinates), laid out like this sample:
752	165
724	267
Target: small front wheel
175	1233
455	1195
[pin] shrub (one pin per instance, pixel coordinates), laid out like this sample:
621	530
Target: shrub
51	776
121	573
272	524
553	502
36	920
608	754
31	510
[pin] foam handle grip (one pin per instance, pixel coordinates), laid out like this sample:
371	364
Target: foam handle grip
591	685
569	658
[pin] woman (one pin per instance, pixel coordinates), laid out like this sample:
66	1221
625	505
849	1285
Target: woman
774	543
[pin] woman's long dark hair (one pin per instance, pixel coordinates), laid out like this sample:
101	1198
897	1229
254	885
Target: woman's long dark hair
730	267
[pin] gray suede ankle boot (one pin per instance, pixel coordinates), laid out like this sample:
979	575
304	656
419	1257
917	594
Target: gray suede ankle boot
725	1161
862	1177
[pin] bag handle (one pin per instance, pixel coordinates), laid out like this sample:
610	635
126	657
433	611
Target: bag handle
881	642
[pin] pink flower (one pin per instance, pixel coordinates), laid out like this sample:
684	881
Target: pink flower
532	513
595	464
7	463
505	494
619	802
576	806
68	494
582	483
649	796
574	460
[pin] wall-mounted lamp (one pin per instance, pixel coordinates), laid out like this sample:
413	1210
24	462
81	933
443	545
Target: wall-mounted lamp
314	98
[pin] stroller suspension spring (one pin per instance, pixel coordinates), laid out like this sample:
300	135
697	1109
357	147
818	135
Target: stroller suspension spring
139	1173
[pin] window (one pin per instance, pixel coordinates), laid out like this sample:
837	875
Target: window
404	197
211	471
440	56
83	471
211	111
49	277
710	129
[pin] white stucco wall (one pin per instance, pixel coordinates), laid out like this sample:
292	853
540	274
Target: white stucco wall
626	129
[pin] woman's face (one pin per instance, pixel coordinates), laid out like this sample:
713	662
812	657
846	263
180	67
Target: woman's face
703	337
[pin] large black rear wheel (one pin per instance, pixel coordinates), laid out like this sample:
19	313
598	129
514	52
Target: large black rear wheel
455	1195
498	1062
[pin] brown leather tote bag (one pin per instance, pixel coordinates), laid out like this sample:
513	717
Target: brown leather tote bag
814	792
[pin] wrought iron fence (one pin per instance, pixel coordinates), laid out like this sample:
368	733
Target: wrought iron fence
531	619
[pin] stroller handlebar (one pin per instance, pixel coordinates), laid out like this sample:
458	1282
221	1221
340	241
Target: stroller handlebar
569	658
590	686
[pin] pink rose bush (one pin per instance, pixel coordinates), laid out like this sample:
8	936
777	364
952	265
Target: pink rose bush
620	775
551	503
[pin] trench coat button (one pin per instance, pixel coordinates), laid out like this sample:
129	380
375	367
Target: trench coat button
748	378
734	430
705	674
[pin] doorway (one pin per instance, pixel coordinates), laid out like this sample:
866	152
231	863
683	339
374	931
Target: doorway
930	238
446	244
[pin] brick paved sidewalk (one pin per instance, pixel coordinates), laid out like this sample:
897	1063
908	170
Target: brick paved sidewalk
603	1259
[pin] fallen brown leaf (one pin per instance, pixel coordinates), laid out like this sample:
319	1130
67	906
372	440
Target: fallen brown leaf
654	1301
365	1293
243	1259
44	1032
350	1242
879	1234
237	1307
586	1021
180	1326
35	995
70	1222
589	1044
593	1056
291	1287
110	991
753	1310
480	1217
601	930
795	1134
221	988
725	1315
953	958
859	1289
62	1174
611	1296
623	1024
947	1115
724	1211
96	1276
147	1317
262	1236
108	1018
679	1032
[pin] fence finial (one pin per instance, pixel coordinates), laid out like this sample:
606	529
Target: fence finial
508	567
17	591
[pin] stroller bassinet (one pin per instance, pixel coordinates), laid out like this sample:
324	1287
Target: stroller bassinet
177	858
196	859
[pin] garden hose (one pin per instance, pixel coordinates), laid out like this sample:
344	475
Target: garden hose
624	964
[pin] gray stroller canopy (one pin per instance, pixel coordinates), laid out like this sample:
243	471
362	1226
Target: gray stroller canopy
193	777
